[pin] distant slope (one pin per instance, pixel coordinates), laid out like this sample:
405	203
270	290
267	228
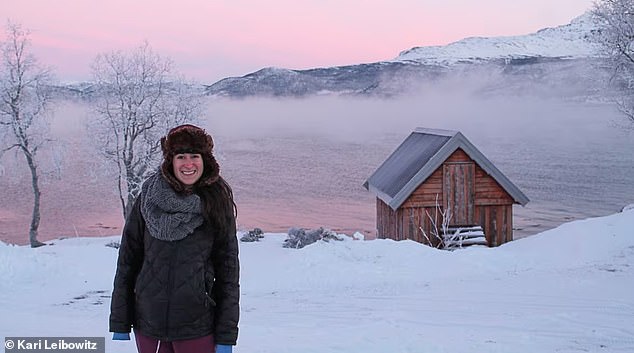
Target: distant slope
563	59
574	40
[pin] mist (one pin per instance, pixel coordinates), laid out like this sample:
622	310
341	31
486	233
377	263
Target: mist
302	161
567	156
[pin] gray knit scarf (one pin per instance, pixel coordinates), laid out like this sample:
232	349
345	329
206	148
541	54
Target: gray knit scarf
169	216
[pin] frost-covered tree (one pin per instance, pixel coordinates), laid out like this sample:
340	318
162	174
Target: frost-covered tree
140	97
616	21
24	109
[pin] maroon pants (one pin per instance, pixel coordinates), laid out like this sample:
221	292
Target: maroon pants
145	344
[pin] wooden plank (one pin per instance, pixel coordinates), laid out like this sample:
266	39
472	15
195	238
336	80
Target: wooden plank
431	217
480	173
399	224
381	219
405	222
482	221
492	225
428	188
386	222
389	215
493	202
389	230
500	225
465	243
489	199
509	224
489	195
427	204
425	197
411	224
489	188
459	156
422	201
508	220
472	228
414	219
458	191
436	175
425	224
427	191
420	224
393	224
486	186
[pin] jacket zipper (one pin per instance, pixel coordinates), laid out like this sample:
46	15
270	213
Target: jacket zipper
210	303
170	277
205	289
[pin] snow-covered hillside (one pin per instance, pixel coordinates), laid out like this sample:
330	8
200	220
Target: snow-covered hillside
574	40
562	61
570	289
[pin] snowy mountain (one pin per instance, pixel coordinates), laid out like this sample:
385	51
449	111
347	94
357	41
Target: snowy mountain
572	41
563	59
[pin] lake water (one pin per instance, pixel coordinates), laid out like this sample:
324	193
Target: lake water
302	162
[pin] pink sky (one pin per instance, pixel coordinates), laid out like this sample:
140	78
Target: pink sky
209	40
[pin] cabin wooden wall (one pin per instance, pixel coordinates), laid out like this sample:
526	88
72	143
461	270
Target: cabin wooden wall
406	223
493	209
497	222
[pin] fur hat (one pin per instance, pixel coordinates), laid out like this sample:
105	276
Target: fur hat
189	139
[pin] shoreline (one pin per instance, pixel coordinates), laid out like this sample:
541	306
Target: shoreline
14	230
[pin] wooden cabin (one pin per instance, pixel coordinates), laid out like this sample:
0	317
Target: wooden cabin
435	172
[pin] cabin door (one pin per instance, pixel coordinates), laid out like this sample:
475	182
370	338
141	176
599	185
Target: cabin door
459	192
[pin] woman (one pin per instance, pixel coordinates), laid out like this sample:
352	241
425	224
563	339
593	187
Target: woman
177	279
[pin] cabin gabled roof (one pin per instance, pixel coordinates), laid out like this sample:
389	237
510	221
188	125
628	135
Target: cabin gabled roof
422	152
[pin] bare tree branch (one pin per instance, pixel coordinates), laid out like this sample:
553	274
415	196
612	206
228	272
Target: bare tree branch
23	108
8	149
616	21
134	111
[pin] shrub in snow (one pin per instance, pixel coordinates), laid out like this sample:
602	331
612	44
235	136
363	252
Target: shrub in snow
253	235
113	244
300	237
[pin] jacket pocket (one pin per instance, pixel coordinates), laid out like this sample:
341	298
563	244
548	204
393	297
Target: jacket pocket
209	302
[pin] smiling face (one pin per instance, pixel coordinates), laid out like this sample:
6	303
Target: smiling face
188	167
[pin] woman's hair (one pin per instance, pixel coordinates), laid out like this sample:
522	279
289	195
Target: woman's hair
218	205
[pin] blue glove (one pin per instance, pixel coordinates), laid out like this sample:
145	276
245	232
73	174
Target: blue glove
223	348
118	336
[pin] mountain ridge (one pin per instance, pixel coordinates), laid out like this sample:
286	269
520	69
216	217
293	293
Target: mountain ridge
572	40
564	60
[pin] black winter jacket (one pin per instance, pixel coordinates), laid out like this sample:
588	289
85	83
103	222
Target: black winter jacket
176	290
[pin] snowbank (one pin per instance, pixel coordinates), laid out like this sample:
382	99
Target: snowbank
567	289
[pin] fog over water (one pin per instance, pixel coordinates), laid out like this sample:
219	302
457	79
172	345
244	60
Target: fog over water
313	155
302	162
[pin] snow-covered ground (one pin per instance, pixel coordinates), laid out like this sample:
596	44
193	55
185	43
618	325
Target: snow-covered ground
570	289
